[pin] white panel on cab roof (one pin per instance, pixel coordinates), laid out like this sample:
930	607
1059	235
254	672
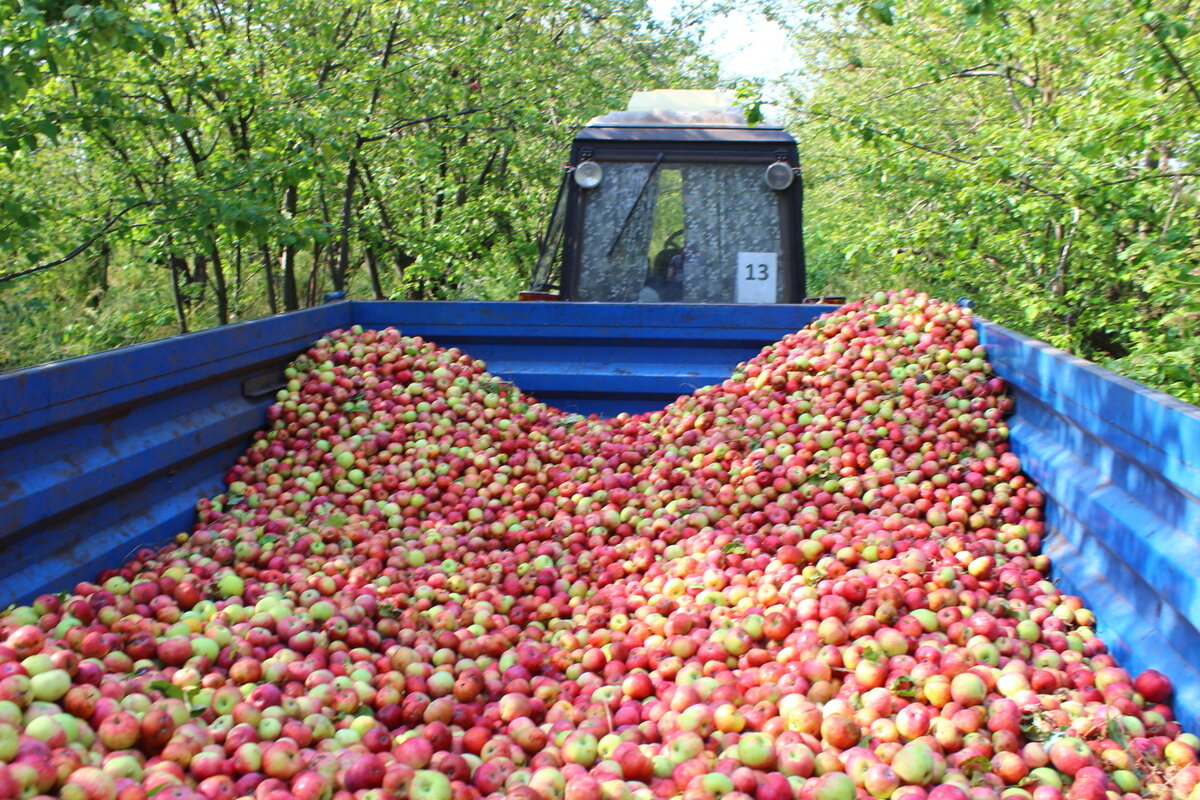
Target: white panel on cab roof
681	100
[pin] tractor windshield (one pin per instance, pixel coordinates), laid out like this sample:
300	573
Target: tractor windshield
682	233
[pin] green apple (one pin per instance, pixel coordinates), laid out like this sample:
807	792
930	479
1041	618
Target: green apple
756	750
580	748
913	764
428	784
8	742
50	686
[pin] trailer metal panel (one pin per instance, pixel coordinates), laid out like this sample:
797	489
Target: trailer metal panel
104	454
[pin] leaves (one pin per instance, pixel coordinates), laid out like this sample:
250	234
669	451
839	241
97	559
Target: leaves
167	689
904	686
978	11
42	39
879	11
1034	158
236	142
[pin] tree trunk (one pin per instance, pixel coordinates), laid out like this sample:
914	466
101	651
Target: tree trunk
287	266
312	275
373	272
403	262
199	272
269	278
99	275
219	285
331	257
237	274
341	267
176	266
105	258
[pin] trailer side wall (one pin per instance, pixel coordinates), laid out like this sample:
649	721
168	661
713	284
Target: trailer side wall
105	454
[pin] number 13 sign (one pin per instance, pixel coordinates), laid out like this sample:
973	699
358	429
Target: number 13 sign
756	277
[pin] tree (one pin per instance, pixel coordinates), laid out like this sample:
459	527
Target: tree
281	149
1039	158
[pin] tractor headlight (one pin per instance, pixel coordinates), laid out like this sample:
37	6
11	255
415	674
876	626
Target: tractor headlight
779	176
588	175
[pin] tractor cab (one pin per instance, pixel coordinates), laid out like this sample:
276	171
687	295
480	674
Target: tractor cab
677	199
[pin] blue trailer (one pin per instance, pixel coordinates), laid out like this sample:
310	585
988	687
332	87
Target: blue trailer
102	455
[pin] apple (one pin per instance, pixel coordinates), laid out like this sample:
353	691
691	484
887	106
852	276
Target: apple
880	780
1070	754
820	577
90	783
914	764
429	785
1154	686
756	750
835	786
968	689
580	748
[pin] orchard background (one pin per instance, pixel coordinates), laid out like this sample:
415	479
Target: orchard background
172	166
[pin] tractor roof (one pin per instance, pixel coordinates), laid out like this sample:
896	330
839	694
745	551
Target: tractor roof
681	115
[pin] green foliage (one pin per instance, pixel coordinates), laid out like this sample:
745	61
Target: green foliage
41	40
186	164
1039	158
224	160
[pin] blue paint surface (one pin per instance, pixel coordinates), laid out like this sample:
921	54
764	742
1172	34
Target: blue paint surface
104	454
1120	465
597	357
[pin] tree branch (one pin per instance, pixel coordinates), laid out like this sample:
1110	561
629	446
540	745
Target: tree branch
970	72
895	138
1166	48
4	278
399	126
1154	177
1025	182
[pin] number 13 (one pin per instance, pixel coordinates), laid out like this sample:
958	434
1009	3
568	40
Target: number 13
762	270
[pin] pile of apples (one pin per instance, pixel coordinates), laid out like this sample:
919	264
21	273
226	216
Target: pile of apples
818	580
